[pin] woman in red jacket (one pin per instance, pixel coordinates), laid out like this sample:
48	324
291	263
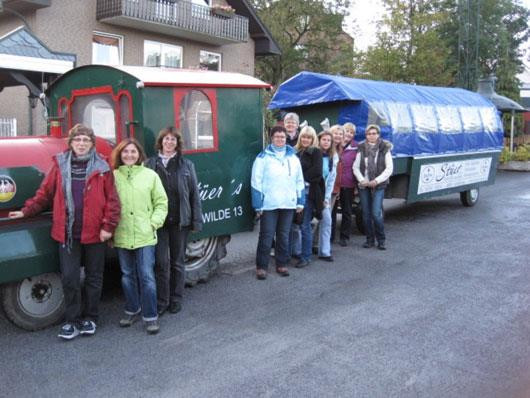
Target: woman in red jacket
79	178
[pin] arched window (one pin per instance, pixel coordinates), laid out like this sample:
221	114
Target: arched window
96	111
196	121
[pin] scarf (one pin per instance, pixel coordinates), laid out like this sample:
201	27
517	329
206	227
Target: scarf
372	150
165	159
66	174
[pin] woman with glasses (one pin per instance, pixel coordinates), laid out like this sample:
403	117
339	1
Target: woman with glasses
373	168
86	210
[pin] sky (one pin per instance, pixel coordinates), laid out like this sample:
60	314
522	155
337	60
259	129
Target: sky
365	14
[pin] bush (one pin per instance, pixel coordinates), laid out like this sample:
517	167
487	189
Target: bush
521	154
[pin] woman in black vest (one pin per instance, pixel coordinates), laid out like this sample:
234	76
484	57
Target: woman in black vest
372	168
184	215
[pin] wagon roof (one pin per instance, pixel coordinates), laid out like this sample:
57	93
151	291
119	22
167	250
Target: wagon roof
308	88
151	76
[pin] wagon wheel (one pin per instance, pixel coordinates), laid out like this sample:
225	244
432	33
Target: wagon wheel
469	198
34	303
202	258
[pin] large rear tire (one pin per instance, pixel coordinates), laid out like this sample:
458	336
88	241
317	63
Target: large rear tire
469	198
202	258
34	303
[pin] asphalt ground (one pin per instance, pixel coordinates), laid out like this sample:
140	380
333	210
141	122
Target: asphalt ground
444	312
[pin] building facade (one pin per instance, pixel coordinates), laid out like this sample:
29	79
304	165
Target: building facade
193	34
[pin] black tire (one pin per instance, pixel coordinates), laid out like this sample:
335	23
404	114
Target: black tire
34	303
202	258
470	198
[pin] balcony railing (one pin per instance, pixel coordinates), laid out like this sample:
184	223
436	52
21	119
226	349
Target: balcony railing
178	18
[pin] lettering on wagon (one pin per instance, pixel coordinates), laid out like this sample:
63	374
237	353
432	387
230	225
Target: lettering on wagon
444	175
207	193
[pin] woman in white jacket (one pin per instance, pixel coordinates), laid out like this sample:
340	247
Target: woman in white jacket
277	186
373	167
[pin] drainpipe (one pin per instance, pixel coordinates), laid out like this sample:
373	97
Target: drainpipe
511	131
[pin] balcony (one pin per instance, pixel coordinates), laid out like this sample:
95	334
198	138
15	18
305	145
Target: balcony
25	5
179	18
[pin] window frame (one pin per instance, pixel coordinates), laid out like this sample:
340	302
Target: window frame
113	36
178	94
212	53
85	92
162	44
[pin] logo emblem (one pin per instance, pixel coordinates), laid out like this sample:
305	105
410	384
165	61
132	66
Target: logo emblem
8	188
427	174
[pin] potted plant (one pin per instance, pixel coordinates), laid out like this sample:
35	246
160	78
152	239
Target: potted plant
221	10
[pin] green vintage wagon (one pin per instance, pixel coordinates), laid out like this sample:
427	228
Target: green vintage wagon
220	117
445	140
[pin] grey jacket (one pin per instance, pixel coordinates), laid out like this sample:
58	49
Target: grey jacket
190	211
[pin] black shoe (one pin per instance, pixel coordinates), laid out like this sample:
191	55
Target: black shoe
329	259
175	307
161	311
301	263
68	332
343	242
368	245
87	328
381	246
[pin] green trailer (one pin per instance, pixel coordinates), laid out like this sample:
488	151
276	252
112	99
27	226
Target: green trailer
220	117
445	140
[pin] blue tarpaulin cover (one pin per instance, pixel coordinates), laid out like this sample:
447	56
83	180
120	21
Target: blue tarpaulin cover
418	120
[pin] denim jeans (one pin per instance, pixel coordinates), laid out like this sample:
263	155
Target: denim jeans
138	281
92	257
295	241
307	232
170	270
274	222
324	238
372	206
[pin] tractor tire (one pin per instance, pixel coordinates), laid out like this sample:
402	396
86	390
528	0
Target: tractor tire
469	198
34	303
202	258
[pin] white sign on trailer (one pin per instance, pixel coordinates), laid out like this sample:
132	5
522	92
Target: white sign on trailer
438	176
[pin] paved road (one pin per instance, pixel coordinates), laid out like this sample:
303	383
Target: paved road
443	313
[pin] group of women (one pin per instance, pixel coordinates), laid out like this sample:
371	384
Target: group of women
127	205
300	176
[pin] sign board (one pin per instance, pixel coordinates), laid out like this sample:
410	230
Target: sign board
450	174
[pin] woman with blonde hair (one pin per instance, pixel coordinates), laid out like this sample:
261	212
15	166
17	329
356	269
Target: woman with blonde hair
311	160
338	137
330	160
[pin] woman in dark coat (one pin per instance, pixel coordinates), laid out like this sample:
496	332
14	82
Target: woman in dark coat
311	160
184	215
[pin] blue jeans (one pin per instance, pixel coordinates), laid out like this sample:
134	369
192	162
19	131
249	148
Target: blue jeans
138	281
274	222
307	233
372	206
324	237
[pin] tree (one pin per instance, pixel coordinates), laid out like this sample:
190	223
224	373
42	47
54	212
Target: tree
409	47
310	36
490	35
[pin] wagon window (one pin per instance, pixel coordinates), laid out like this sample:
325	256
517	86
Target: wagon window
470	119
449	119
196	121
378	114
399	117
97	112
424	118
489	120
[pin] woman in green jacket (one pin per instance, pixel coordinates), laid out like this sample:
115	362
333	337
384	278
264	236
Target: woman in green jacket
143	211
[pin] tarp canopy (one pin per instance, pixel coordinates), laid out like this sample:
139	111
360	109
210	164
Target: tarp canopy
419	120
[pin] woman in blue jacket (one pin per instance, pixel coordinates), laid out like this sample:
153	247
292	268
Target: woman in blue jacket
277	192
